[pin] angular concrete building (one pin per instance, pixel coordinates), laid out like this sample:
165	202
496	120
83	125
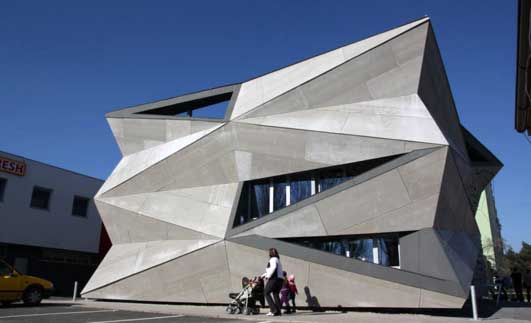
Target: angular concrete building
353	164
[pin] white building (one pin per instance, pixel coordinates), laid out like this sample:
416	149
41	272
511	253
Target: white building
49	224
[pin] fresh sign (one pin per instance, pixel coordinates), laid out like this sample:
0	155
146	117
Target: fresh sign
12	166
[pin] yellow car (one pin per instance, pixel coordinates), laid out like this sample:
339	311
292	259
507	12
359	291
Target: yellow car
15	287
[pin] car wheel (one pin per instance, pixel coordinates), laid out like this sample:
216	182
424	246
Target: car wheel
32	295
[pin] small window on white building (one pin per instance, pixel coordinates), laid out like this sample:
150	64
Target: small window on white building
40	198
80	206
3	183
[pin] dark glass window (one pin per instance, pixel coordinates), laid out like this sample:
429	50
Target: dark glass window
279	194
360	248
388	254
260	199
3	183
207	107
80	206
300	189
330	178
40	198
254	202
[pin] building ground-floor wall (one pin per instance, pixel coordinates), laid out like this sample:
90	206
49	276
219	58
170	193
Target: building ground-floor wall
62	267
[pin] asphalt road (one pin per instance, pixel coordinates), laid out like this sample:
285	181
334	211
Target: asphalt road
48	313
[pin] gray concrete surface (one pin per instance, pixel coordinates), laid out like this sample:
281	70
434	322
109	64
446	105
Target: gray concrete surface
63	310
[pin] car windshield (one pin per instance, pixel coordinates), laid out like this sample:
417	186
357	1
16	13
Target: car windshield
5	269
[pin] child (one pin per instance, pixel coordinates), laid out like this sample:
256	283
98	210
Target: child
292	292
284	294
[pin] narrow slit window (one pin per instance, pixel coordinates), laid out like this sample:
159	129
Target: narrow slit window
212	107
268	195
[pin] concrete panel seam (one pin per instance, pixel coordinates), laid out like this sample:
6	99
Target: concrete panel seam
404	184
454	164
320	219
340	133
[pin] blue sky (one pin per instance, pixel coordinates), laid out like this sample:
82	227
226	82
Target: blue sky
64	64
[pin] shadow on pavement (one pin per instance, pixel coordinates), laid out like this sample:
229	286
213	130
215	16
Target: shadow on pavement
486	309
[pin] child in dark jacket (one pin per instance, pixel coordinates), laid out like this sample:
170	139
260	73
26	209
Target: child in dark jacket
293	292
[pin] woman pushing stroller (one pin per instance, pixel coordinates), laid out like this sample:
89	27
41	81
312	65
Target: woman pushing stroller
276	280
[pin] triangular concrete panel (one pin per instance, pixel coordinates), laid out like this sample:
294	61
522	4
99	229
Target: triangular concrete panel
414	216
304	222
463	266
435	92
265	88
126	226
475	176
124	260
423	252
422	178
203	209
133	164
134	135
186	279
402	118
199	215
454	210
389	70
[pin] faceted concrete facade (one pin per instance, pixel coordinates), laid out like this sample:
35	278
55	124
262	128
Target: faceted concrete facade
170	204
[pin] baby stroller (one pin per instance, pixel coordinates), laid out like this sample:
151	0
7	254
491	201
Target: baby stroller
246	301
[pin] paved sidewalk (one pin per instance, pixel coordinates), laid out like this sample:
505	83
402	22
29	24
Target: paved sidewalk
509	314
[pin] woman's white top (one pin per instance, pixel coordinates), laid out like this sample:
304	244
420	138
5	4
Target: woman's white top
274	265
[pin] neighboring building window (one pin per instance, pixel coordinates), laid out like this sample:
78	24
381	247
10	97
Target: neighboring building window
40	198
3	183
80	206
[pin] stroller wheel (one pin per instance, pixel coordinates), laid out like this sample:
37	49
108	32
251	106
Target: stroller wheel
231	309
